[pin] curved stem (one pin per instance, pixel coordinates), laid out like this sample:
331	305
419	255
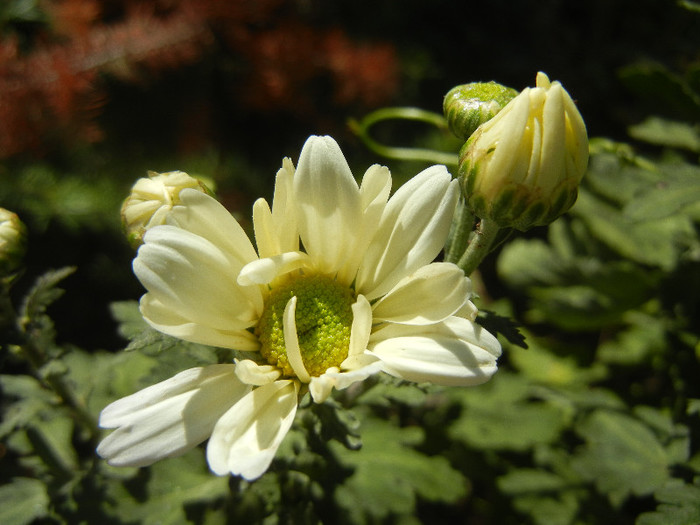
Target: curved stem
480	246
361	128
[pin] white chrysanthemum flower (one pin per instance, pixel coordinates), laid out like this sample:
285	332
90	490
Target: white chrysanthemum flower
362	296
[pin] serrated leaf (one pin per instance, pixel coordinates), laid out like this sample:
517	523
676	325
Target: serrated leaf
43	293
541	494
389	474
622	456
32	319
128	315
390	390
32	400
173	484
679	504
22	501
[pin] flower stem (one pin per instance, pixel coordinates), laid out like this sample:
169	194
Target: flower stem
458	239
480	246
361	129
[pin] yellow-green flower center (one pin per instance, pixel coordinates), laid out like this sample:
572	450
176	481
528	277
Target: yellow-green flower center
323	321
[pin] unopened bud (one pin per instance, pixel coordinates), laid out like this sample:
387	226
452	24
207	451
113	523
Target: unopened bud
468	106
13	239
151	199
523	167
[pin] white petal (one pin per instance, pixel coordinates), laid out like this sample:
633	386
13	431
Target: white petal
170	417
455	352
321	387
429	295
361	325
246	438
284	216
328	204
374	193
194	278
203	215
264	271
291	340
169	322
251	373
468	311
276	229
411	233
265	234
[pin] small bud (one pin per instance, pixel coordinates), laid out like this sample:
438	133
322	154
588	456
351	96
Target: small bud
468	106
151	199
13	239
523	167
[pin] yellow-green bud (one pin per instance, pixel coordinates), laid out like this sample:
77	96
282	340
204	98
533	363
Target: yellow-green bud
13	240
523	167
468	106
151	199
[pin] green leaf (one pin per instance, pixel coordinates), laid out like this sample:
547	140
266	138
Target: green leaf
642	338
679	504
521	481
32	401
390	390
655	243
22	501
545	367
32	319
173	484
389	474
668	133
660	88
622	456
500	416
679	189
541	494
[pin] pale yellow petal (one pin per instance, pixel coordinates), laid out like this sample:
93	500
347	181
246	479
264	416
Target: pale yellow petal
327	200
429	295
412	231
246	438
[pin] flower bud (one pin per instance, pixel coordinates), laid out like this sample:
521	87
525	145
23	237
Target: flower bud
151	199
13	238
523	167
468	106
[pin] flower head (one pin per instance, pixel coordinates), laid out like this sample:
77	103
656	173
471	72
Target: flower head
363	296
523	167
151	199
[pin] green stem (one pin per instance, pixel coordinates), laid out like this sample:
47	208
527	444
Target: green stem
462	224
362	127
480	246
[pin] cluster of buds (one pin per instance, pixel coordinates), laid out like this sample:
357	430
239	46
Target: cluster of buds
522	168
151	199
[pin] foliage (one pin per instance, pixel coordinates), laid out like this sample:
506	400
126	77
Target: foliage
594	414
